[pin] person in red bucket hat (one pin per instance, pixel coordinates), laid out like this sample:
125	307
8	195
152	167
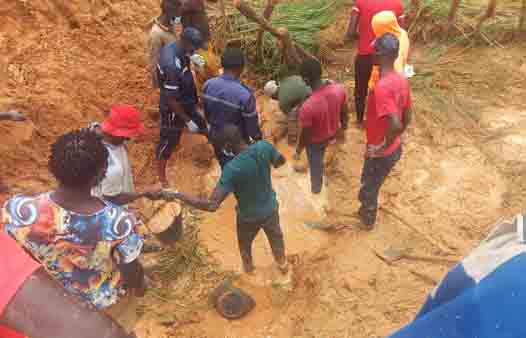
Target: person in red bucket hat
121	125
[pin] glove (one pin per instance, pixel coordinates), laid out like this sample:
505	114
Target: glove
176	20
198	60
194	128
16	116
271	88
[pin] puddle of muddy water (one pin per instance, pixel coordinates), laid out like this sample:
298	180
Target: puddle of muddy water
297	206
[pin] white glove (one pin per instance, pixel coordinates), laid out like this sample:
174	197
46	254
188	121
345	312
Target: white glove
198	60
192	126
271	88
409	71
176	20
16	115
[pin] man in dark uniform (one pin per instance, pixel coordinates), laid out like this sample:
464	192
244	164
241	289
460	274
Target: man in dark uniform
227	101
178	102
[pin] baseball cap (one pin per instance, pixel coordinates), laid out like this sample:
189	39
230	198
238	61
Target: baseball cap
123	121
387	45
194	36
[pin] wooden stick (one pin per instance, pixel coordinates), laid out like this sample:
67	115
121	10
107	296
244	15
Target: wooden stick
259	38
293	52
223	14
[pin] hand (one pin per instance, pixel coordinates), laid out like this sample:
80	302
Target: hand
351	37
168	195
374	151
198	60
153	195
16	116
192	126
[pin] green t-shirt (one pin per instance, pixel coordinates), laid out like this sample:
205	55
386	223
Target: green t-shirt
248	177
292	91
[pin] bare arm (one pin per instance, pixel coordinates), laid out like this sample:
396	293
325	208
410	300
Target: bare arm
178	109
133	274
43	309
130	197
344	115
394	129
210	204
279	162
11	116
408	117
352	30
124	198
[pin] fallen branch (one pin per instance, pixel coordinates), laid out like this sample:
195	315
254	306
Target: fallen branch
293	53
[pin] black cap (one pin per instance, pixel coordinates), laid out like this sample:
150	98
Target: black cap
387	44
233	58
193	36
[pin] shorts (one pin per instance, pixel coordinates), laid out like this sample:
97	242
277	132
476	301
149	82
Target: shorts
170	139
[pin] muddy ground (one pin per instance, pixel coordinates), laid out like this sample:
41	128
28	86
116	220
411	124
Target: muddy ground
462	170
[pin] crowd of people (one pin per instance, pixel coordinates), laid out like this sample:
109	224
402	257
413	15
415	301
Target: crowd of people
87	238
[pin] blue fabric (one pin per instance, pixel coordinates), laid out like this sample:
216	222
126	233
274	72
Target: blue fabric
227	101
461	308
175	78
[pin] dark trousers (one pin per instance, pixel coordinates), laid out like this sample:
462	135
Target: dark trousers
315	156
247	232
363	67
375	171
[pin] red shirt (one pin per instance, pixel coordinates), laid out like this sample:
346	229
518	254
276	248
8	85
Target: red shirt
390	95
15	267
322	112
367	9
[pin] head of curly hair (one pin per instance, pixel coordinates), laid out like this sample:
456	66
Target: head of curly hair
78	159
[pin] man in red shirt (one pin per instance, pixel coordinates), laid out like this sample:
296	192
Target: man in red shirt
37	306
388	115
321	116
360	26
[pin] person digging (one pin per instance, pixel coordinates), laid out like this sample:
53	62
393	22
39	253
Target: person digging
248	177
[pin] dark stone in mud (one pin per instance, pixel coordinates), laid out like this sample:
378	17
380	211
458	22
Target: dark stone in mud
231	302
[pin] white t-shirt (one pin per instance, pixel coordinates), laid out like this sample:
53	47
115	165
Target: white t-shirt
119	176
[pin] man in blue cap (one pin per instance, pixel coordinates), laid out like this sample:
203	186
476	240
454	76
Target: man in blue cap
388	115
178	102
228	101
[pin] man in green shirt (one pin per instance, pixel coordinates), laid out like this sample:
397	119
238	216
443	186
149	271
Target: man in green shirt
248	177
